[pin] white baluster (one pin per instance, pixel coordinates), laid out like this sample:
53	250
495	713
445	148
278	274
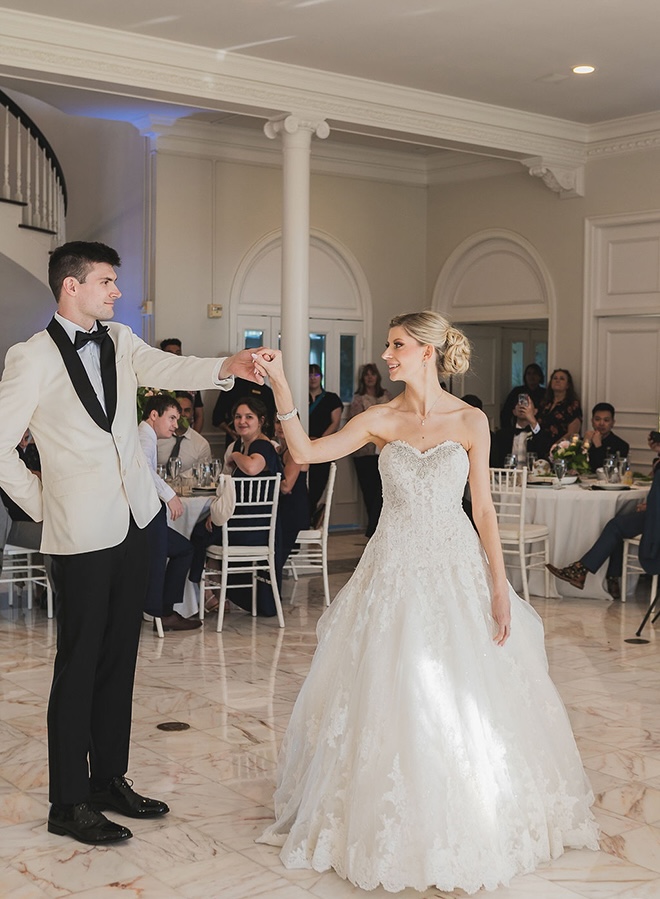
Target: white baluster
6	188
28	212
36	221
19	178
45	212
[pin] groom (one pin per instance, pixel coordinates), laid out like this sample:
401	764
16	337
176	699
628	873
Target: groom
96	498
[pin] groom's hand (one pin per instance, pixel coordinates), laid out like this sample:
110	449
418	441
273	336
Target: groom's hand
241	365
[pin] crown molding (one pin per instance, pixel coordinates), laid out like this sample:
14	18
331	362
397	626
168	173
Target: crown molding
55	51
42	48
230	143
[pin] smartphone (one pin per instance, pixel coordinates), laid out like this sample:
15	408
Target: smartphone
523	399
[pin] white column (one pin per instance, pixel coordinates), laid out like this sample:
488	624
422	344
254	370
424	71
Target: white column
296	136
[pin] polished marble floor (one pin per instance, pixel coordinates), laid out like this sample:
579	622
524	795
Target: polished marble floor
236	690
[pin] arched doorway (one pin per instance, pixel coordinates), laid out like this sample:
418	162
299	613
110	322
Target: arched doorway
496	287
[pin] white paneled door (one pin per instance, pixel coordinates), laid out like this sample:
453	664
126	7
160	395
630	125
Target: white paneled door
628	376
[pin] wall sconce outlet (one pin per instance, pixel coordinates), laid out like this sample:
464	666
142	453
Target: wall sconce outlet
214	310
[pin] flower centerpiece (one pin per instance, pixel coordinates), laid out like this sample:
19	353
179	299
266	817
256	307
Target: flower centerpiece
575	452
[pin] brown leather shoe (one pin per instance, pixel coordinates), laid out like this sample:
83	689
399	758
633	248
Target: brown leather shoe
176	622
614	587
574	574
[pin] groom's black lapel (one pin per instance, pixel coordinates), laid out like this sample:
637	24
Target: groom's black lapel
81	383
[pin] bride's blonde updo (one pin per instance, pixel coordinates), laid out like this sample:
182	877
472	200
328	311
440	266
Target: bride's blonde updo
452	348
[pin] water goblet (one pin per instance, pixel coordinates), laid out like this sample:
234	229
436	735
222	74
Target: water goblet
161	471
510	461
559	468
174	468
532	459
197	475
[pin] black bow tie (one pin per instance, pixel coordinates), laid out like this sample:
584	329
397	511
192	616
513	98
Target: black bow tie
83	337
526	430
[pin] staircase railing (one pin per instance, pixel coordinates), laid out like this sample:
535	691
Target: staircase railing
32	176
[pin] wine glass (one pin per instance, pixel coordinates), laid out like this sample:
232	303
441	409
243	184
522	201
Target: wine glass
510	460
559	468
532	458
174	468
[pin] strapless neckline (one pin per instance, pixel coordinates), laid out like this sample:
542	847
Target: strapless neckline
425	452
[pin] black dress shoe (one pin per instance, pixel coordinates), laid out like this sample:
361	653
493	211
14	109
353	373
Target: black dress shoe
120	796
85	824
176	622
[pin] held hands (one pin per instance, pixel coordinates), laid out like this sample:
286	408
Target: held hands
176	508
267	362
242	365
501	612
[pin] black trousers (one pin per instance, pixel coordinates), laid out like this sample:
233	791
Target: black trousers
170	555
610	543
99	598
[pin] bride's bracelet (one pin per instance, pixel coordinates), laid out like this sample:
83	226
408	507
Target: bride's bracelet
287	415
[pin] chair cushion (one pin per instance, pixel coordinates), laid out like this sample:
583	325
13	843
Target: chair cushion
238	552
532	532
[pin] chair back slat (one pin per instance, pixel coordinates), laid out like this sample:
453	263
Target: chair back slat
508	487
257	501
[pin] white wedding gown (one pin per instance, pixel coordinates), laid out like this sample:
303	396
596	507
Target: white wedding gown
420	753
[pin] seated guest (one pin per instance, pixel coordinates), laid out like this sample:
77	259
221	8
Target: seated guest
173	345
170	553
223	411
294	501
603	441
251	455
560	412
24	531
526	436
645	520
186	443
533	378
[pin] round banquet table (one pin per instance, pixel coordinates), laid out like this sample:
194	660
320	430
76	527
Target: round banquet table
194	508
575	517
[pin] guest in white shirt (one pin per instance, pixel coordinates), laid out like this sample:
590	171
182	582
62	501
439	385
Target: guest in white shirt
186	443
170	552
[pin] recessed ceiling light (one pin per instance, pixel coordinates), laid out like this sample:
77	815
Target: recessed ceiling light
583	70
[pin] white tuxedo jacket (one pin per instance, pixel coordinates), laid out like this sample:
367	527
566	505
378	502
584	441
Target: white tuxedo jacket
94	473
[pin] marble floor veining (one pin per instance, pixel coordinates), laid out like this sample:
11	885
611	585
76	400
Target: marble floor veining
235	690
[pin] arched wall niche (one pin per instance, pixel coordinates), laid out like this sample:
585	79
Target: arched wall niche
338	287
496	276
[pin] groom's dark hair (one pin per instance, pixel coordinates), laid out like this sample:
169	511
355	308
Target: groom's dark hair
74	260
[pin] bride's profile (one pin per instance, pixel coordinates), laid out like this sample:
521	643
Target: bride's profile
428	745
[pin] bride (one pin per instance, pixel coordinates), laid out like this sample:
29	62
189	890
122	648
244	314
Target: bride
428	745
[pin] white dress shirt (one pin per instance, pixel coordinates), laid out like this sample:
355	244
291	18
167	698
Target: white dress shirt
90	356
148	442
193	449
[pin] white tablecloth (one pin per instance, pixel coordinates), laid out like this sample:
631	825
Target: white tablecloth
575	517
194	508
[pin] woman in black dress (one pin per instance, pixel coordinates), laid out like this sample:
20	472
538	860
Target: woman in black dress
324	418
251	455
294	499
370	392
560	413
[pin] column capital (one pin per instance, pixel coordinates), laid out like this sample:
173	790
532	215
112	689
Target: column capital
566	180
292	124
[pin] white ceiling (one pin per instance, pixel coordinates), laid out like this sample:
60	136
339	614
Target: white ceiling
511	53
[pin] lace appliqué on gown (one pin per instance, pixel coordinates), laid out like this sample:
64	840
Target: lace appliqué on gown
418	752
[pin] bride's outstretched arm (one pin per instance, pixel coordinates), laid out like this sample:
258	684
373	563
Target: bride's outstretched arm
485	519
325	449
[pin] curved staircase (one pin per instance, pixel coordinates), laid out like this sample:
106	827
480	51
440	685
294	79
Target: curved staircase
33	195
